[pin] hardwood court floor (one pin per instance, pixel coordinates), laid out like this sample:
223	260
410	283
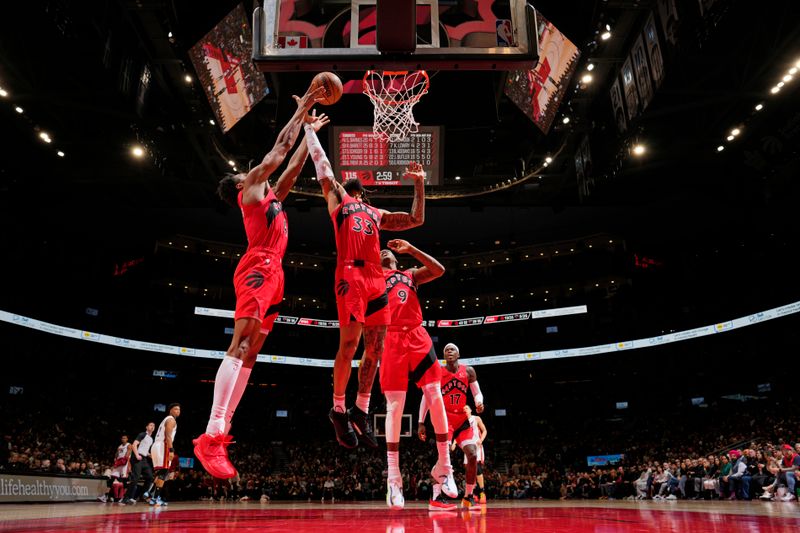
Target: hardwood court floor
289	517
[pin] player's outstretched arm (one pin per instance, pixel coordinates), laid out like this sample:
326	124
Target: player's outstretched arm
431	268
286	138
289	175
398	221
331	190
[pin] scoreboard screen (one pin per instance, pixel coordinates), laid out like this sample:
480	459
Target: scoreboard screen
358	153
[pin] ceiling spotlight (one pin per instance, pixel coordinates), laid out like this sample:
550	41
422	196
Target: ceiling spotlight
759	107
187	79
638	149
211	121
775	90
565	120
45	137
735	131
458	178
3	92
234	169
545	164
729	137
590	67
60	153
793	70
137	151
231	163
19	110
548	159
606	35
587	78
787	78
720	148
780	84
169	35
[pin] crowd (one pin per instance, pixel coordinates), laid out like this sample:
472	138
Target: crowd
745	455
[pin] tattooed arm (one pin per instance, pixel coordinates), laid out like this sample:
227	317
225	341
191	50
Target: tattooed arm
399	220
332	191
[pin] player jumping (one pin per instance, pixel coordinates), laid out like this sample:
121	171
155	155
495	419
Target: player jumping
409	355
258	280
361	300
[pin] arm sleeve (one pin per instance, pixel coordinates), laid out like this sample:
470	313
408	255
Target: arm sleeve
476	392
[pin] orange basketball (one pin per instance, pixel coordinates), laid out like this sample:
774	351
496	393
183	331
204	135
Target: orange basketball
332	84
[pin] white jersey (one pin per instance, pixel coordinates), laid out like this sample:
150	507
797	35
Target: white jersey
121	471
158	451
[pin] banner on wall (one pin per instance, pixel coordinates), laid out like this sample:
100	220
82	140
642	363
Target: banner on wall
22	488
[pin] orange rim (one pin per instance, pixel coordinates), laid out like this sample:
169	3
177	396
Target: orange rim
384	73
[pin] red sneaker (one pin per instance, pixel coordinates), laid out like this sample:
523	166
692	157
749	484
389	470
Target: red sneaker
213	454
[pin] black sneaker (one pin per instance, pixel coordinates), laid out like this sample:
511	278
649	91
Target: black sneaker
344	429
361	423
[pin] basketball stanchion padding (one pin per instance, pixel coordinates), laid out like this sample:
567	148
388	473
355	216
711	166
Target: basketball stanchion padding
396	26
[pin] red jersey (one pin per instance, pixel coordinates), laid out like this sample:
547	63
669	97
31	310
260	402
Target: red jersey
265	224
403	302
454	389
356	225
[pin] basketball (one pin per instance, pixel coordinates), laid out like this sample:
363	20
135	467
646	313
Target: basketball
332	84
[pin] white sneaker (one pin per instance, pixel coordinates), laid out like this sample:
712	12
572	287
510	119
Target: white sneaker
394	496
766	496
788	498
444	475
672	497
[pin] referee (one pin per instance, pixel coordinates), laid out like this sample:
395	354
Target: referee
141	464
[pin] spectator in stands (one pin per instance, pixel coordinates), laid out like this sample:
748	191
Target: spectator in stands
722	477
738	480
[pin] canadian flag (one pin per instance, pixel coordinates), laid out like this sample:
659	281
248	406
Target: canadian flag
293	41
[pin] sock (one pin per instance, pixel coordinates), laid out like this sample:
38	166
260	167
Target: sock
437	491
236	396
224	384
393	458
468	489
338	403
444	453
362	401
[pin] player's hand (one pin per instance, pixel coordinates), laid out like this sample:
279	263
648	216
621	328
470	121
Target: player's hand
138	457
400	246
414	172
317	122
479	408
421	432
310	98
453	446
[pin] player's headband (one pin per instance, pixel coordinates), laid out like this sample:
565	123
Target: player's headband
453	346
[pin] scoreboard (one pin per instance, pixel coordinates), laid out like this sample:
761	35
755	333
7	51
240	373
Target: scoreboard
358	153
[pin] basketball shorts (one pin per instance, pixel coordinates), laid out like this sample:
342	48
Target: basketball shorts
460	429
408	355
258	283
160	456
361	294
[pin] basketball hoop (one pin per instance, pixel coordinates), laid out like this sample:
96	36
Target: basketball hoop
394	95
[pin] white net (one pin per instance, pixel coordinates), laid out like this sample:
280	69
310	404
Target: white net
394	94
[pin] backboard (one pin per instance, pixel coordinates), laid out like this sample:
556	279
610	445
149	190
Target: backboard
340	35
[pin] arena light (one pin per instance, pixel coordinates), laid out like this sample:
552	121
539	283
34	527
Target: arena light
19	110
729	137
565	120
759	107
3	93
60	153
45	137
169	35
787	78
720	148
458	178
775	90
780	85
590	67
187	79
606	35
639	149
548	159
231	162
137	151
793	71
735	131
211	121
586	79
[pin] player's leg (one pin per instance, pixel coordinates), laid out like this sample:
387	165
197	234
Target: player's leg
395	402
211	447
443	470
349	335
248	362
471	453
373	351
